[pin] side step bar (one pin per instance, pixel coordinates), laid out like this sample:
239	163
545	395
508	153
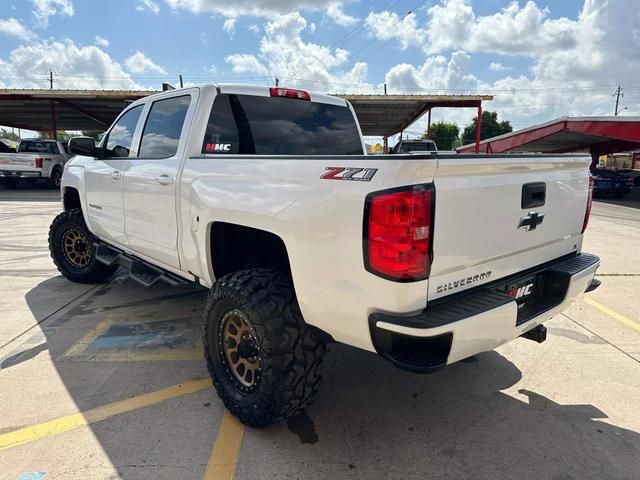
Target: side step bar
142	272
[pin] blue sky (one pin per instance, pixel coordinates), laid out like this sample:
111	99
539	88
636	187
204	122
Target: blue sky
540	59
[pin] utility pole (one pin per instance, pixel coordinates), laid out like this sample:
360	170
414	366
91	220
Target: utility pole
50	80
181	84
619	93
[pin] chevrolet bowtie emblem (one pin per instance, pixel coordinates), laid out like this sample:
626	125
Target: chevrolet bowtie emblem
531	220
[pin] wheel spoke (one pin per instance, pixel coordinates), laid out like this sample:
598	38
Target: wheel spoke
240	349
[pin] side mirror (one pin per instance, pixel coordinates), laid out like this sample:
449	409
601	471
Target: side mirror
82	146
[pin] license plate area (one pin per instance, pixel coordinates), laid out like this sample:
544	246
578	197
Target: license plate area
522	290
536	293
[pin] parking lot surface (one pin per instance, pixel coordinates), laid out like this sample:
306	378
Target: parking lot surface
108	382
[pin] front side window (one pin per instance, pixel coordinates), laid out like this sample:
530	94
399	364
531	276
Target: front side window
161	134
120	138
248	124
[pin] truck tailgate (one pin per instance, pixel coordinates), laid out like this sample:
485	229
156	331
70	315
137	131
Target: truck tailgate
19	161
480	209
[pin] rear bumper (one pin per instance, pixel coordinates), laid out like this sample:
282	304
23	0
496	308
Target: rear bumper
20	174
480	319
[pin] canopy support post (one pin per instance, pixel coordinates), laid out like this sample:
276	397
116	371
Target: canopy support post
54	129
478	127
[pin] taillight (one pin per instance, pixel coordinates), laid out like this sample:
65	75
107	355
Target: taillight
289	93
39	162
398	227
587	212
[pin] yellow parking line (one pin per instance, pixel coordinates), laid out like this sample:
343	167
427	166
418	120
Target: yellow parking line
224	456
70	422
621	318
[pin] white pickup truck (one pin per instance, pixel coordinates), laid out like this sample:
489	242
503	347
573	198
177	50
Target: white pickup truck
265	196
36	159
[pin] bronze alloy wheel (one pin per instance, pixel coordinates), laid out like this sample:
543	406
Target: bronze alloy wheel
239	350
77	248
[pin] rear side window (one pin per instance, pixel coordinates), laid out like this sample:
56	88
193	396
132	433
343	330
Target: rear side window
161	134
35	146
119	139
247	124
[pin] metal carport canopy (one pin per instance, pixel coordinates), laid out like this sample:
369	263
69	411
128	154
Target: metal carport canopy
595	135
47	110
386	115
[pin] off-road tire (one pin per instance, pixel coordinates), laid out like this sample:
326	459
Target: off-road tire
290	351
9	183
53	182
94	271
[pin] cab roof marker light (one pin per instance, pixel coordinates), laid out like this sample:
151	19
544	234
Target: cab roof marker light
289	93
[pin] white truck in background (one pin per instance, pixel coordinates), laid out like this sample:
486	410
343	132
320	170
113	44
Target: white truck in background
266	197
35	159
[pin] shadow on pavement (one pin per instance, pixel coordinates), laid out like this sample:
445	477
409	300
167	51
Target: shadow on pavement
369	421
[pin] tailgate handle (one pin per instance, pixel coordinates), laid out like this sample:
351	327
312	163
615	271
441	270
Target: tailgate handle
533	194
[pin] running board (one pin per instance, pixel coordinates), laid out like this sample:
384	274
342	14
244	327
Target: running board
142	272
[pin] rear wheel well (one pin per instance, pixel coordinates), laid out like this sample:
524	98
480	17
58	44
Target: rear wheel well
236	247
71	199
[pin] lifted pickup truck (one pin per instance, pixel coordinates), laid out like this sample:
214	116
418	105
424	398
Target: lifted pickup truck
35	159
265	196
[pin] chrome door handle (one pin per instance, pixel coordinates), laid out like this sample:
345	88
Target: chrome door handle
116	175
164	180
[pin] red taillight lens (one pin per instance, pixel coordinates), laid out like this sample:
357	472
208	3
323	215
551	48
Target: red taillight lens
587	212
39	162
289	93
398	230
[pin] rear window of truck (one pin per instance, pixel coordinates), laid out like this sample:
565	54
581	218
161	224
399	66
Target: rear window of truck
247	124
34	146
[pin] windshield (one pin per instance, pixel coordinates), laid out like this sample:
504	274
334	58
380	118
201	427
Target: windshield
248	124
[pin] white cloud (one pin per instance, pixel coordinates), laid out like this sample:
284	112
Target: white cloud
101	41
254	28
571	60
498	67
246	63
43	9
140	63
77	66
149	5
259	8
336	13
388	25
312	28
13	28
284	54
512	31
229	26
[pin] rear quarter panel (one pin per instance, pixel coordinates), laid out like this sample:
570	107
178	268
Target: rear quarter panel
319	221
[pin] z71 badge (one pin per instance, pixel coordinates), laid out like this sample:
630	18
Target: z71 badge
349	173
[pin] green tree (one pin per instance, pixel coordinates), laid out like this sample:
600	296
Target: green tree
490	128
95	134
8	134
444	134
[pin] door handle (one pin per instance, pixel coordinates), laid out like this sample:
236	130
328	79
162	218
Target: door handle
164	180
116	175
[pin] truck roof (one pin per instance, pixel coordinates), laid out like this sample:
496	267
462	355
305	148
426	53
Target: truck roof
256	90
